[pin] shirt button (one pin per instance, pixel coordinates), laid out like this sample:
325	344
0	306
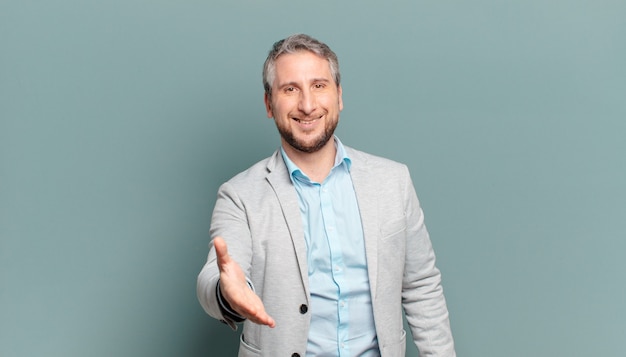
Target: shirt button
303	309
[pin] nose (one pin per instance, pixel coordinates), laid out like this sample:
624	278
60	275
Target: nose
307	103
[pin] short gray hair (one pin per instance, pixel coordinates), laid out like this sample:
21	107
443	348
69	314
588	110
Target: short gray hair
293	44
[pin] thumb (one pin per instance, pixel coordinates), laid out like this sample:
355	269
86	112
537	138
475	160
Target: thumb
221	250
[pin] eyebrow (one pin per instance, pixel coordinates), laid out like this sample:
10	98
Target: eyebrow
295	84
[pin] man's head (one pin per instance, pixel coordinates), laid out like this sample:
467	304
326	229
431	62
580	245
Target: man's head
302	93
293	44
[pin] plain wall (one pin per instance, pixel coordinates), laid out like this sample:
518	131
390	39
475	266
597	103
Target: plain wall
120	119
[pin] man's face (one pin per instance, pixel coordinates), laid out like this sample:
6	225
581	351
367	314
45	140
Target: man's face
305	101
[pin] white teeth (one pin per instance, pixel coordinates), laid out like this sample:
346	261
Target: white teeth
307	121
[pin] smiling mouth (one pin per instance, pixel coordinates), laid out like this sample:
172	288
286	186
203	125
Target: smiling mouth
307	121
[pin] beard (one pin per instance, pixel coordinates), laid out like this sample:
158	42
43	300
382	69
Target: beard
313	144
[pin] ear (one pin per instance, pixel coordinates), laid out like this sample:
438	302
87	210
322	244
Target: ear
268	105
339	92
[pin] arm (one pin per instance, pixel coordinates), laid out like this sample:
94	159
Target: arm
422	293
222	286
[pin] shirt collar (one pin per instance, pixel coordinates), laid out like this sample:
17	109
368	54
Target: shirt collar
341	157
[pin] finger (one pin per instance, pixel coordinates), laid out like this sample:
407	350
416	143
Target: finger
262	318
251	307
268	321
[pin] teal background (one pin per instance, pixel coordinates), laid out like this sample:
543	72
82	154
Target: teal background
119	120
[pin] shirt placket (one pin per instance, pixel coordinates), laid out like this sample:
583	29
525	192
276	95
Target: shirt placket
337	268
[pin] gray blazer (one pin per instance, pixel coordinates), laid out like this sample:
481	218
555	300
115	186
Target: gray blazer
257	214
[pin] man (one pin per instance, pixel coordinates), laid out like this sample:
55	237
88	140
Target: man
320	247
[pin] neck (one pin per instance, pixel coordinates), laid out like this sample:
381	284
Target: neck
315	165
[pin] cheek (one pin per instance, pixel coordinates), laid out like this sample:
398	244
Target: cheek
331	102
280	108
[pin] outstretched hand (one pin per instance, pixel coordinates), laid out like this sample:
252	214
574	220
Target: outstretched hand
235	289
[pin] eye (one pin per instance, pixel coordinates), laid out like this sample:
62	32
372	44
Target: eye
290	89
319	85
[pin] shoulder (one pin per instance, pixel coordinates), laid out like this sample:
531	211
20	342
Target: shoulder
255	174
375	164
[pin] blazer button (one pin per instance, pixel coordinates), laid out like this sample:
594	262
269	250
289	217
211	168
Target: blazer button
295	355
303	309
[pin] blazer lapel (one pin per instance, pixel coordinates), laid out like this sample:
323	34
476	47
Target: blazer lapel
278	178
367	200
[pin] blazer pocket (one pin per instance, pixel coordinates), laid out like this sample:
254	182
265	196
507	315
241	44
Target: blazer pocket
397	348
246	349
393	227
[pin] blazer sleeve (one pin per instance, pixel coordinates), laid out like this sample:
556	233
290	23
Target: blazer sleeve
229	222
422	293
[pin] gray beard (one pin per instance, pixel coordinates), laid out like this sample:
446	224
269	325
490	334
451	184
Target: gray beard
300	146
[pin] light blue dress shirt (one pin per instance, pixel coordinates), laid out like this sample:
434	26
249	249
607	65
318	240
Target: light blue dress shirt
342	321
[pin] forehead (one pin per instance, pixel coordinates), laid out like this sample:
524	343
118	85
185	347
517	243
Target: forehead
302	64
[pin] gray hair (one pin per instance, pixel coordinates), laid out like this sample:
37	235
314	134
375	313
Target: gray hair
293	44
